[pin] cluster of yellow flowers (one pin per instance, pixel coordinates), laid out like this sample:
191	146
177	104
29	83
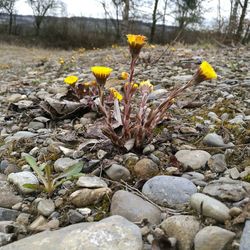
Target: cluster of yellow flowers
136	42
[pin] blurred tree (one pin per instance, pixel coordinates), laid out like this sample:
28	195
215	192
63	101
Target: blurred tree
233	18
40	9
242	19
187	12
154	20
9	7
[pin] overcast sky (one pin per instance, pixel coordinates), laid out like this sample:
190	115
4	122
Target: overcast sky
93	8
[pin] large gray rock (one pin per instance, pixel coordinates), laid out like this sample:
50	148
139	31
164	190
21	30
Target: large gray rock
183	228
245	237
62	164
210	207
113	233
5	238
169	190
21	178
228	189
194	159
134	208
213	237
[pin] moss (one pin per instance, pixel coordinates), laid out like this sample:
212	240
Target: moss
247	178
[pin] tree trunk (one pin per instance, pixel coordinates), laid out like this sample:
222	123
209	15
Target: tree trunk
125	17
233	18
10	23
154	20
164	19
241	22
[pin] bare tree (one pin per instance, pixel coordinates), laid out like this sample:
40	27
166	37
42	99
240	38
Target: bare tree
233	17
242	19
188	12
154	20
40	9
9	7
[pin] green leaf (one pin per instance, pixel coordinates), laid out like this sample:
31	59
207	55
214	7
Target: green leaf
32	186
32	162
73	170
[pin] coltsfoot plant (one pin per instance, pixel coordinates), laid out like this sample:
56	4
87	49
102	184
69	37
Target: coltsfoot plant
49	181
136	121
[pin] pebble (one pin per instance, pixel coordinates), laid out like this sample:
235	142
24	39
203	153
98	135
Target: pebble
5	238
62	164
91	182
74	216
118	172
194	159
217	163
213	140
227	189
7	227
169	190
19	135
112	233
213	237
46	207
8	214
183	228
101	154
145	168
21	178
134	208
209	207
8	198
35	125
85	197
234	173
148	149
239	119
245	239
235	211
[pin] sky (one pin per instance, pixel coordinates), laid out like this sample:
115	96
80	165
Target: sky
93	8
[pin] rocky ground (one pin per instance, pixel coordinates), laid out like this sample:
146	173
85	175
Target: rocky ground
188	189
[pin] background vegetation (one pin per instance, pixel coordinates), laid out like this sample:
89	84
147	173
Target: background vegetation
49	27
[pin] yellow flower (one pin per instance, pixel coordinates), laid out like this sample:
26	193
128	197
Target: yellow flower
71	80
205	72
146	84
135	85
101	74
89	84
124	76
116	94
61	61
136	42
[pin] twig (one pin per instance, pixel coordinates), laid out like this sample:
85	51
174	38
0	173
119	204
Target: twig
165	50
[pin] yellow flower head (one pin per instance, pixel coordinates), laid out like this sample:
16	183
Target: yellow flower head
61	61
205	72
71	80
146	85
89	84
134	85
101	74
124	76
136	42
116	94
